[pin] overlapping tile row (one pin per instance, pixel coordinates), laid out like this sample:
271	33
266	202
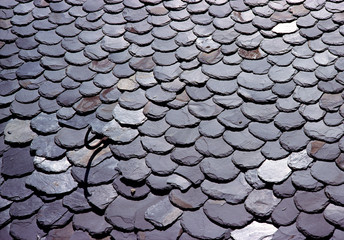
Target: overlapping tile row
209	119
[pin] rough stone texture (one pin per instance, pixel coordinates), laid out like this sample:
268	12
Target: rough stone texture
274	170
254	230
163	213
261	202
212	119
60	183
191	199
18	131
233	192
133	169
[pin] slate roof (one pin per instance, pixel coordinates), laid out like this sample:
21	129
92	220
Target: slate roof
183	119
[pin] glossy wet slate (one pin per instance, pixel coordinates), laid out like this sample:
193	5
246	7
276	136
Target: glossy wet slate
171	119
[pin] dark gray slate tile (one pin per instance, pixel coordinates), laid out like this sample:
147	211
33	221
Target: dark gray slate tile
70	138
304	180
17	162
53	214
158	95
5	218
181	118
284	189
335	194
275	46
76	201
163	213
243	140
253	179
274	150
68	98
213	147
222	87
129	214
284	89
198	93
233	192
323	151
332	176
45	123
233	119
101	196
261	202
14	189
156	145
186	156
192	220
320	131
129	150
319	229
227	215
85	222
160	164
254	81
130	189
221	70
102	173
129	169
285	212
311	202
26	228
259	112
158	183
184	136
312	112
257	96
221	169
191	199
264	131
110	95
154	128
295	140
332	213
192	173
26	208
37	180
21	110
288	232
247	159
211	128
170	233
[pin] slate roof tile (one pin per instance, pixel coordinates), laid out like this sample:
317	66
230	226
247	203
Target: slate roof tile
206	66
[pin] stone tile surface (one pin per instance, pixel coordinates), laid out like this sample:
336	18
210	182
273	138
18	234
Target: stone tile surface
171	119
